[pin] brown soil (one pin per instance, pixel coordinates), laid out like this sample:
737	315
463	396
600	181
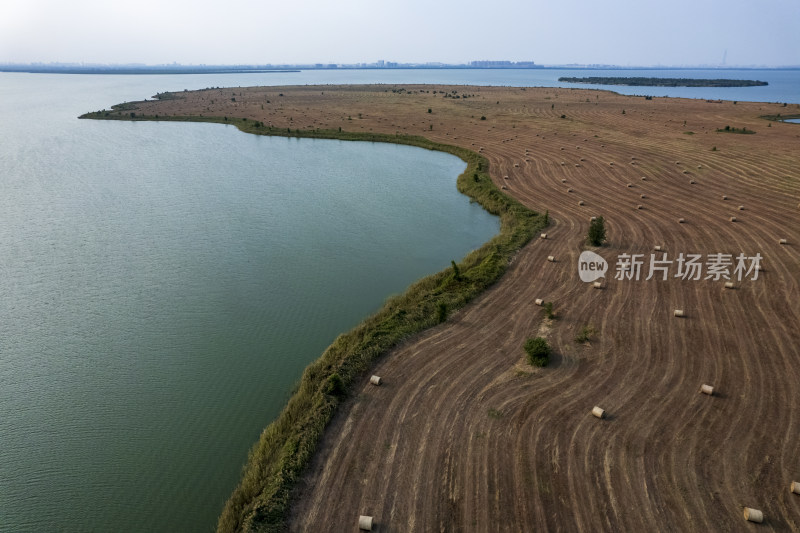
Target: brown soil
465	436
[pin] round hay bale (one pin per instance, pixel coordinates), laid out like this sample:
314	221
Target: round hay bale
644	178
707	389
504	187
741	208
733	219
679	313
681	221
581	202
611	163
598	412
642	196
551	258
795	487
577	165
729	285
375	380
538	301
692	182
569	190
753	515
630	185
516	165
724	197
597	285
639	206
543	236
783	241
365	523
563	180
505	177
657	248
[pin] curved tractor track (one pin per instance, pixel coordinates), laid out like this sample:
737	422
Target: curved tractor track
465	436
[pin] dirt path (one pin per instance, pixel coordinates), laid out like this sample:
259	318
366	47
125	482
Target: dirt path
464	436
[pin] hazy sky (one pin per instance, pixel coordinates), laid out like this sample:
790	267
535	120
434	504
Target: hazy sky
623	32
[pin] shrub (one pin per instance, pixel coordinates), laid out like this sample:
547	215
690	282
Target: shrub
547	309
483	117
441	313
597	232
538	351
456	271
335	385
429	110
585	335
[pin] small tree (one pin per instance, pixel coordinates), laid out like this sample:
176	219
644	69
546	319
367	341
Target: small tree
456	271
538	351
597	232
441	313
335	385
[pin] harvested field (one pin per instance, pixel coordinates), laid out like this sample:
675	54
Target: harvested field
463	435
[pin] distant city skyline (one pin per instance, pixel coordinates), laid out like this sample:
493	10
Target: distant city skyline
624	33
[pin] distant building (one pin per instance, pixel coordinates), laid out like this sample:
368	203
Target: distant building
503	64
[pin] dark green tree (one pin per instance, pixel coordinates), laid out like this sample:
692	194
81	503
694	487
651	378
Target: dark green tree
456	271
538	351
441	312
335	385
597	232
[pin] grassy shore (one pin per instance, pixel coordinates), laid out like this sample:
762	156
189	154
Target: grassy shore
262	498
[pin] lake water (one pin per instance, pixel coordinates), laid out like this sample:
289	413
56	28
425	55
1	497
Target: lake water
162	285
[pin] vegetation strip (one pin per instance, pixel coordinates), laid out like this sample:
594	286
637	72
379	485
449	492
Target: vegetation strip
261	501
664	82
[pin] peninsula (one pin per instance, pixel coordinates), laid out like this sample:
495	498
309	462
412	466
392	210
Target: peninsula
463	434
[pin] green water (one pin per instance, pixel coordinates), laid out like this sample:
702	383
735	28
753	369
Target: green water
162	286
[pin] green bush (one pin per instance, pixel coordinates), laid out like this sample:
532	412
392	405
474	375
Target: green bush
597	232
547	309
585	335
538	351
441	312
335	385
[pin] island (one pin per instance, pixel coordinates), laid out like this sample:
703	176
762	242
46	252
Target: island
690	379
663	82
